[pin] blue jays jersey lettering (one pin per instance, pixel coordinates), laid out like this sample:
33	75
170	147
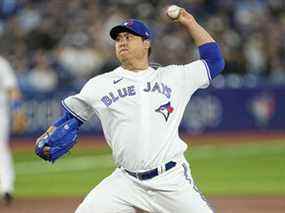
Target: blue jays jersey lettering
114	96
141	113
158	87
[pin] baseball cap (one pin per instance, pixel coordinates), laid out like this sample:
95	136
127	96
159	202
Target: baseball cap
133	26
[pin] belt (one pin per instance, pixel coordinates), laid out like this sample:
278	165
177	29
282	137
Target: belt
152	173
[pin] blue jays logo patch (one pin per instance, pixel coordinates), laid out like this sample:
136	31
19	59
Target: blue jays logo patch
165	110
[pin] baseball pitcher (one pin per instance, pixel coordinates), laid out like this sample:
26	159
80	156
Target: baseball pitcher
140	110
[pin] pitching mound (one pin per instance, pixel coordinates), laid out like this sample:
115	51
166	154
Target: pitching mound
220	204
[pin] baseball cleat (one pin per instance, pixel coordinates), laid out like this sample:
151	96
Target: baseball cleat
7	198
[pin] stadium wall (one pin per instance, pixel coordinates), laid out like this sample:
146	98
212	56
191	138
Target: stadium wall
211	110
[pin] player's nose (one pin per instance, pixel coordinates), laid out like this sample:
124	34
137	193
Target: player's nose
123	45
123	42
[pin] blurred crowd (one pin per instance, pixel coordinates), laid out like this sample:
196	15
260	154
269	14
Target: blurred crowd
59	44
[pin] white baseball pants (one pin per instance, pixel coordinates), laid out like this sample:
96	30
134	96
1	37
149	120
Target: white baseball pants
7	175
170	192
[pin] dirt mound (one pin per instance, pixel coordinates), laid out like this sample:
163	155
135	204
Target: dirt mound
220	204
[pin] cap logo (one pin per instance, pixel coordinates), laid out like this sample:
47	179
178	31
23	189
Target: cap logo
128	23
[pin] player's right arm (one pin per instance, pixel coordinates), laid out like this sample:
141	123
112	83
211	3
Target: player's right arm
209	50
198	33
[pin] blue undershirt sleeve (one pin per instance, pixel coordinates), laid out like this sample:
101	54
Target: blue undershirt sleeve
212	55
65	117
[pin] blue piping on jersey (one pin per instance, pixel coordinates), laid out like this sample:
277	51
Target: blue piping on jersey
212	57
187	177
207	68
67	115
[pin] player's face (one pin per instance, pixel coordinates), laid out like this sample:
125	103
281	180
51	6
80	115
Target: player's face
131	47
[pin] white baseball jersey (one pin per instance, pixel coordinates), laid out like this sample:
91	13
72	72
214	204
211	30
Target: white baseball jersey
141	111
7	80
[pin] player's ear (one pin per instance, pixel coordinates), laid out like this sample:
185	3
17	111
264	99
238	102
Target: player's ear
146	44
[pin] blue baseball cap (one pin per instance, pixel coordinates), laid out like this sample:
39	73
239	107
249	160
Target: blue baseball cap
133	26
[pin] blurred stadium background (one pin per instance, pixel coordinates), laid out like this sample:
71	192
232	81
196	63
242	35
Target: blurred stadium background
55	46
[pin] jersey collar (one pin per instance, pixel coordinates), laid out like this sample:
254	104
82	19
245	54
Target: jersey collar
140	75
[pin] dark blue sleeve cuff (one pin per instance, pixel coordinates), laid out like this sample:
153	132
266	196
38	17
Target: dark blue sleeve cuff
212	55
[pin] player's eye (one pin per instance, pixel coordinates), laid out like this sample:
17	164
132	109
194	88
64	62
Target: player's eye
129	36
119	39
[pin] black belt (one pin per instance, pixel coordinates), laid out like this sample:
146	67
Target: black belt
151	173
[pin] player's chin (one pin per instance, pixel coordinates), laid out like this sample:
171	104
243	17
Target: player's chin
123	55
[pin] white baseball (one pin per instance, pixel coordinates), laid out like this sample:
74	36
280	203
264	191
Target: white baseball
173	11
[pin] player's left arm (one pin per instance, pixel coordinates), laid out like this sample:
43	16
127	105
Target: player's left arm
59	138
208	48
62	135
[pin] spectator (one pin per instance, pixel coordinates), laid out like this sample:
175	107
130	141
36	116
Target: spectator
251	34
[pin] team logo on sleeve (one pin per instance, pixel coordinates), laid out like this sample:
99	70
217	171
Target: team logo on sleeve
165	110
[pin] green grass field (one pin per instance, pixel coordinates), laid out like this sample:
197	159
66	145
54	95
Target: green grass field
240	169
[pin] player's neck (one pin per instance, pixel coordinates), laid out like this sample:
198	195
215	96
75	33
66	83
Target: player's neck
135	66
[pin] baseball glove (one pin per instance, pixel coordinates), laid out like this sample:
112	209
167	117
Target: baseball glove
57	141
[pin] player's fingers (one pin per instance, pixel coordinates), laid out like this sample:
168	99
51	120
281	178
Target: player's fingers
185	16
